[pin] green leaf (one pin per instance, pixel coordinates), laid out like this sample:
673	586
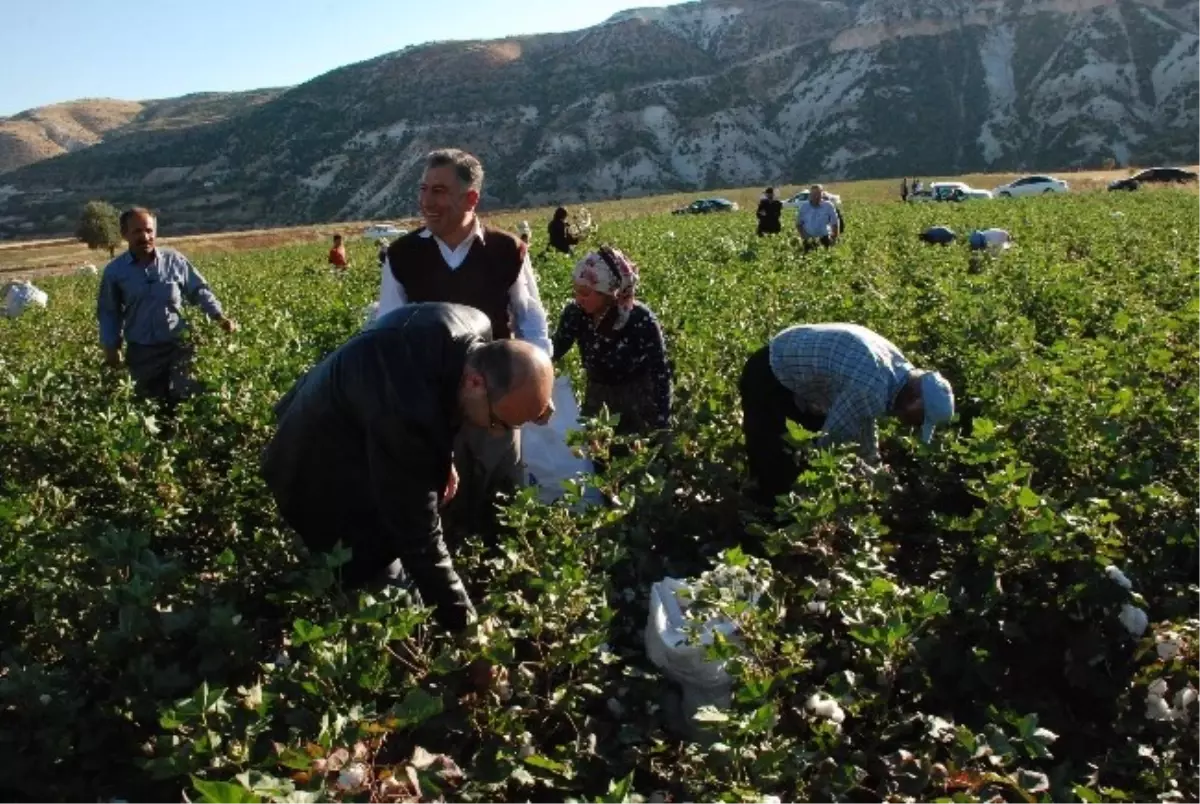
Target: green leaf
218	792
417	707
1087	794
618	790
227	558
305	631
1028	498
538	761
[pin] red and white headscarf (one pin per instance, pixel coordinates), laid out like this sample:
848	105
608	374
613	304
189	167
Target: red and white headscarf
610	272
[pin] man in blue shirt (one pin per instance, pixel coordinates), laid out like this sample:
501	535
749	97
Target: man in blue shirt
140	301
817	220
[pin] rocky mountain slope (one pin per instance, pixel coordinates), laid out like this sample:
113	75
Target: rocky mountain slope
701	94
48	131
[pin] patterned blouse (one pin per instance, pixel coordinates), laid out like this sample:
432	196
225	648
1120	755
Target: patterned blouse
621	356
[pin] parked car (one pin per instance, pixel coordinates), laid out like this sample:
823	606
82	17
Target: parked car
1031	185
1157	175
802	196
705	205
949	191
383	230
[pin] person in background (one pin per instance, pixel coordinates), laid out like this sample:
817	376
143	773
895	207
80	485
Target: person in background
454	258
560	237
769	210
620	342
524	232
362	449
834	379
381	254
140	303
817	220
904	189
938	236
917	186
337	254
994	240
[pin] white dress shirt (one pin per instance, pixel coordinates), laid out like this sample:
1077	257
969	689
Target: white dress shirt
529	317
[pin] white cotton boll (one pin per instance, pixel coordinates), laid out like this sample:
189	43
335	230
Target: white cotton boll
1158	689
1167	649
283	661
1116	576
352	777
1045	735
816	606
1185	698
1134	620
671	235
44	698
1157	709
826	708
825	588
772	800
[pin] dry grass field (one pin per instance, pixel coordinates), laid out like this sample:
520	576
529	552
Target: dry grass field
31	258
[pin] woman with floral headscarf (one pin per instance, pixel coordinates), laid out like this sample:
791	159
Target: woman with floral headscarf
620	342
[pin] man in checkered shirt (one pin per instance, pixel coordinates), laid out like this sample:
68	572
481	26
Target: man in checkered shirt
835	379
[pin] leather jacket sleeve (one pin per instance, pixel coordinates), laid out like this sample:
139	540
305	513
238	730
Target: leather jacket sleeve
406	484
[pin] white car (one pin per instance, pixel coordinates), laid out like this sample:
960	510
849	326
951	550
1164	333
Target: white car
383	230
802	196
1031	185
949	191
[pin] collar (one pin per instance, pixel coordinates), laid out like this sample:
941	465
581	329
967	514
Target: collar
476	234
133	260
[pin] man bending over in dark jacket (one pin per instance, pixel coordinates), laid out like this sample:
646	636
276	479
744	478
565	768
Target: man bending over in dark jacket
362	452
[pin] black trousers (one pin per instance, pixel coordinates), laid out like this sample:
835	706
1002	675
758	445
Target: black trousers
810	244
766	407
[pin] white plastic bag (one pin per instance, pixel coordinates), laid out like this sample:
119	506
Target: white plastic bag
21	296
547	458
704	682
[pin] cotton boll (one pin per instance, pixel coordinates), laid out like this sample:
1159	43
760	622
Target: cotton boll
826	708
1134	619
1157	709
1185	698
824	588
816	606
1116	576
1167	646
352	777
1045	735
1158	689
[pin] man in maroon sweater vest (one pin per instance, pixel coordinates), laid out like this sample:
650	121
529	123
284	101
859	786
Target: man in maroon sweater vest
455	258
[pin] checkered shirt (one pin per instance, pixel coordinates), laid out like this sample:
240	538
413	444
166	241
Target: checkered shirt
846	372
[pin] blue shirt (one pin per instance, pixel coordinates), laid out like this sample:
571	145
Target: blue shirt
145	302
847	372
817	221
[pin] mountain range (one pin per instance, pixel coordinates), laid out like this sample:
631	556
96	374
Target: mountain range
705	94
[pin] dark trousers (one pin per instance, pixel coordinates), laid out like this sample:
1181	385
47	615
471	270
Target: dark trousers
373	562
811	243
162	371
766	227
766	407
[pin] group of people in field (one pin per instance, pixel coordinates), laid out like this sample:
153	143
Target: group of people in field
397	442
819	222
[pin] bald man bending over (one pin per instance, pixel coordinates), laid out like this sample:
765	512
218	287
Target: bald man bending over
362	452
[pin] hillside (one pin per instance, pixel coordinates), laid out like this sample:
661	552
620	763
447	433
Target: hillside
48	131
705	94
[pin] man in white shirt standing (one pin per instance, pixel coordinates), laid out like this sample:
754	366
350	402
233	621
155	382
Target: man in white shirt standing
454	258
817	220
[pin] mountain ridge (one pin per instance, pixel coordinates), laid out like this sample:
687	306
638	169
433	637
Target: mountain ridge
685	97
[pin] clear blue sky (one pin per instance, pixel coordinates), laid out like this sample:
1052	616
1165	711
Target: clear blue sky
60	50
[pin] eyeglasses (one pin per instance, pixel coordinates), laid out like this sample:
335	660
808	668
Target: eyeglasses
494	421
498	424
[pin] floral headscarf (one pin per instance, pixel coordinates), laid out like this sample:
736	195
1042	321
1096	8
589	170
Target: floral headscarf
610	272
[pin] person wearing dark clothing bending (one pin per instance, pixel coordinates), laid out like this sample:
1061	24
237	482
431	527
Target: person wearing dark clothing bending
362	451
560	236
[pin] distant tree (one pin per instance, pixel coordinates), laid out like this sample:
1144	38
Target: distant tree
99	226
1109	164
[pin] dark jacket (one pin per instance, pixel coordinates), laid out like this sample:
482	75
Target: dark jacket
768	213
560	239
363	446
